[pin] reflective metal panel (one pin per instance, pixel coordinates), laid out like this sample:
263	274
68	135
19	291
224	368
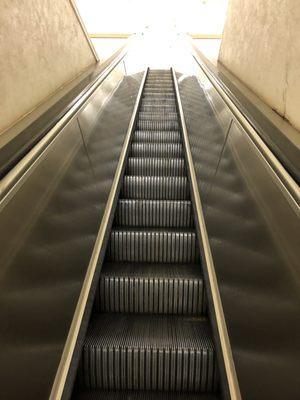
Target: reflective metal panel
253	227
48	226
254	233
207	136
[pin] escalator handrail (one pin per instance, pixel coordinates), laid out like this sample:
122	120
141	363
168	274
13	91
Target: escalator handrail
232	381
20	170
58	387
289	184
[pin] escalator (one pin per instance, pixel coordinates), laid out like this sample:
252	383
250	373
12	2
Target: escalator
149	336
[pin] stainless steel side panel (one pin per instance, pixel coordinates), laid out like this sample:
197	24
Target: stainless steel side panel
253	227
48	226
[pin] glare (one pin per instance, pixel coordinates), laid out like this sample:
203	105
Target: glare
160	26
131	16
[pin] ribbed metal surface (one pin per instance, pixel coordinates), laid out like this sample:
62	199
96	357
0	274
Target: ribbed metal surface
156	166
158	115
149	353
158	125
156	188
159	85
151	288
140	395
162	109
158	102
157	136
149	337
154	213
162	87
156	150
153	246
158	95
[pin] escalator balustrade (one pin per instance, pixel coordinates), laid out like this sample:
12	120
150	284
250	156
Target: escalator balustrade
149	336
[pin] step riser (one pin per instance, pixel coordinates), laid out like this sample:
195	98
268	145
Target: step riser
159	86
151	296
165	110
158	125
156	167
174	370
142	395
147	116
157	137
158	95
156	150
155	188
142	213
160	91
137	246
158	102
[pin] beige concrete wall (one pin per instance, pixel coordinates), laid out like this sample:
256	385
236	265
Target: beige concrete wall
261	46
42	47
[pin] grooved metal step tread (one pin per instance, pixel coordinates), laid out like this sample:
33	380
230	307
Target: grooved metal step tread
170	150
158	125
158	102
153	116
162	109
160	85
152	270
151	288
153	245
157	137
151	166
154	213
149	352
139	395
159	91
155	188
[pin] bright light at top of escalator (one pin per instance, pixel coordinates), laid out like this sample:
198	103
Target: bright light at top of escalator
159	25
131	16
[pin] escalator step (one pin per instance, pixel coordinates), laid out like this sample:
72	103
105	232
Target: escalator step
140	395
165	125
161	109
153	245
160	82
149	352
156	166
158	102
157	136
155	188
160	85
158	116
170	150
159	90
151	288
154	213
158	95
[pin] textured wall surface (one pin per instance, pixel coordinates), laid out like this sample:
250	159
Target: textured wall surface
42	47
261	46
